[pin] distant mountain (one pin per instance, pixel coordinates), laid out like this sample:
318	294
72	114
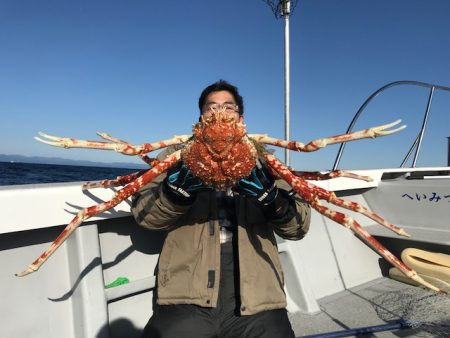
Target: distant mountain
63	161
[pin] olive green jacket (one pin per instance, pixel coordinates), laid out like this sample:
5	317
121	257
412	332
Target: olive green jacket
189	264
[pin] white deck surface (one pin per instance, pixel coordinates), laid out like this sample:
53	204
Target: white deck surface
370	304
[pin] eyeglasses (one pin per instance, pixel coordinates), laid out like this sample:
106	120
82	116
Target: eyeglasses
222	108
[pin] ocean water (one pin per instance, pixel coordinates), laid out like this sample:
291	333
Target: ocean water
31	173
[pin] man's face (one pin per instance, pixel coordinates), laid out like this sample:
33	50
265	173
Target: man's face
224	102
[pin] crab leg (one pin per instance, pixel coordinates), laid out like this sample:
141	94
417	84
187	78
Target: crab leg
333	199
318	176
86	213
323	142
124	148
150	161
119	181
309	195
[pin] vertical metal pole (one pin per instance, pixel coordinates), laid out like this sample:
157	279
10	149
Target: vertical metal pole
286	8
448	155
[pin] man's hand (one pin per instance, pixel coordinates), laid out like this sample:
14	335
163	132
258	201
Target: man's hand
181	185
259	185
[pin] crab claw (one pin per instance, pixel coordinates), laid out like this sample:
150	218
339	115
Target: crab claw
62	142
381	130
29	270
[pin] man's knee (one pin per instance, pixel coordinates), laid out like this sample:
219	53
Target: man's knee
266	324
174	321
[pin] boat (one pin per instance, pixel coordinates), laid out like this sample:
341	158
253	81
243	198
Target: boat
100	282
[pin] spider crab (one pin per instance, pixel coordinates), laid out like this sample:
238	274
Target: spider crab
220	152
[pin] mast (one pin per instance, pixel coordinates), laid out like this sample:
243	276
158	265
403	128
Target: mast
284	8
285	12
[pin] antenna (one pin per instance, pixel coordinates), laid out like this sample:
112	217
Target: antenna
283	8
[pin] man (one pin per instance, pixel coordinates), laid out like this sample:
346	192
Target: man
219	273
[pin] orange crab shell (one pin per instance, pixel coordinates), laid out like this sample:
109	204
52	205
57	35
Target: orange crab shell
220	153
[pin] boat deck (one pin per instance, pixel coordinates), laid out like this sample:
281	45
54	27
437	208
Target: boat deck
335	288
380	302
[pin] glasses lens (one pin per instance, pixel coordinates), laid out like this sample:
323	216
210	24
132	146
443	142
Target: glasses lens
231	107
211	107
216	107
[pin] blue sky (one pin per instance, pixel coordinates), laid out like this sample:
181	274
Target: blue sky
135	69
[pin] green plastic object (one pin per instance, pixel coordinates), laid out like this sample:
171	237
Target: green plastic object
117	282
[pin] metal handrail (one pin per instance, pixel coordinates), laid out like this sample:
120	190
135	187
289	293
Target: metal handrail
418	141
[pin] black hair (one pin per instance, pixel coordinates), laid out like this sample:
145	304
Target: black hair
217	87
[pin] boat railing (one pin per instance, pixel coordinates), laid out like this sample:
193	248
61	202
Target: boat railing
416	146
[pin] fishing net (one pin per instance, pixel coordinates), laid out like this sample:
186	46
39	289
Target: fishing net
279	7
426	312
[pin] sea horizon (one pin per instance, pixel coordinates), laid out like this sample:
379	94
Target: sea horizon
19	173
13	158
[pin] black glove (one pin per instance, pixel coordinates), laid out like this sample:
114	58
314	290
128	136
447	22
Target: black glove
180	185
259	185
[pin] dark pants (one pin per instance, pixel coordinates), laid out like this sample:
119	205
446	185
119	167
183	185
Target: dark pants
223	321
